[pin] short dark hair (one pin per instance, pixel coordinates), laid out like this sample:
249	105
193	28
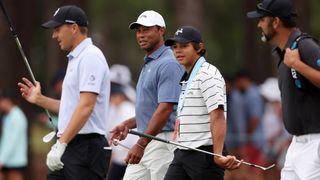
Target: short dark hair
289	22
9	94
197	47
84	30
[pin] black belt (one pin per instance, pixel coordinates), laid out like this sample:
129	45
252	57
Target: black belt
84	137
87	136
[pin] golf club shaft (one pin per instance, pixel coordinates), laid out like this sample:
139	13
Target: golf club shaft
15	36
195	149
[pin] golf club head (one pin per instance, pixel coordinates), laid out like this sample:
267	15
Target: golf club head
47	138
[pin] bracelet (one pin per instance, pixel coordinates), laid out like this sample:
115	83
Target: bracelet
139	145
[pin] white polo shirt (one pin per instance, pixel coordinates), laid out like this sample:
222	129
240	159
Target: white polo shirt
87	71
207	91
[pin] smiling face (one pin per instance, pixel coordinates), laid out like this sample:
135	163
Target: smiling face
150	38
185	54
64	34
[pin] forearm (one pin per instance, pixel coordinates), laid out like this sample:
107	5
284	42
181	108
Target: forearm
50	104
308	72
130	123
218	130
80	116
78	120
157	122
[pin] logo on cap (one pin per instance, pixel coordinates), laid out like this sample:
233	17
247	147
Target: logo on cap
55	13
178	31
143	16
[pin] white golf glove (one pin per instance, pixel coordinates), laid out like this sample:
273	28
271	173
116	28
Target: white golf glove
54	156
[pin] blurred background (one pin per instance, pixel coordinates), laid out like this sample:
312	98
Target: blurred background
232	42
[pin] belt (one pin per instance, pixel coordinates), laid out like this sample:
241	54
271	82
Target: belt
307	138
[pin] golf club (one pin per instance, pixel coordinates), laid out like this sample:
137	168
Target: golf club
51	135
116	142
199	150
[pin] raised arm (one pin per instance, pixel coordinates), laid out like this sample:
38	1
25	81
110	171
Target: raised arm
292	60
32	93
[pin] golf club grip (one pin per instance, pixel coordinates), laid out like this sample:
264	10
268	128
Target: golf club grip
15	36
147	136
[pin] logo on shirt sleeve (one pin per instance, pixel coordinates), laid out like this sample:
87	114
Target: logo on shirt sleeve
91	82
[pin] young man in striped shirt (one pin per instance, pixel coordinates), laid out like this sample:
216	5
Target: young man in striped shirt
201	112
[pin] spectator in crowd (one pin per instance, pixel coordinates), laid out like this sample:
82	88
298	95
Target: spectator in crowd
122	101
13	141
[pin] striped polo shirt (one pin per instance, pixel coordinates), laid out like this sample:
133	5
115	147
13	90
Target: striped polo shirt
207	91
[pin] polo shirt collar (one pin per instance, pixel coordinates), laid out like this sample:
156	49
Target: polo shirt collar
75	53
156	54
186	76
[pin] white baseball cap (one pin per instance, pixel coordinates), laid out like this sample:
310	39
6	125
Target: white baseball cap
120	74
148	18
270	89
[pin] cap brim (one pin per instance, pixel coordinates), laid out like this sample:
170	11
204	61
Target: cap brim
134	25
51	24
254	14
171	41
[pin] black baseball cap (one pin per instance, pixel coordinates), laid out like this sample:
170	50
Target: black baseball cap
69	14
273	8
185	34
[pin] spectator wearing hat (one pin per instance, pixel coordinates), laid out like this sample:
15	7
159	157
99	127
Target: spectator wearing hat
300	98
201	112
13	141
79	151
122	99
157	95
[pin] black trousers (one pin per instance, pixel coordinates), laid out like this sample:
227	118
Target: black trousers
193	165
116	171
84	159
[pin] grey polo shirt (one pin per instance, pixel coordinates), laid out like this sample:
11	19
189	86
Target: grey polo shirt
301	113
158	82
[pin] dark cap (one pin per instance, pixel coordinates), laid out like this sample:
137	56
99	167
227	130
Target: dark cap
69	14
185	34
273	8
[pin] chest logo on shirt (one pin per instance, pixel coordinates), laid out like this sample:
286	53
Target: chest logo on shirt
149	70
92	78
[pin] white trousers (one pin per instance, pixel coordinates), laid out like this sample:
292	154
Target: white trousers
155	161
303	158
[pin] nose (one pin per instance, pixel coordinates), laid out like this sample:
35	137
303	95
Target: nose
259	23
54	34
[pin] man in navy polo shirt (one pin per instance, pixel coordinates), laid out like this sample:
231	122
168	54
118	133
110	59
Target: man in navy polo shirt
157	95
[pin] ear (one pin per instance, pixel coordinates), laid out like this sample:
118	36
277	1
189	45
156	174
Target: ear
276	22
162	30
201	45
75	28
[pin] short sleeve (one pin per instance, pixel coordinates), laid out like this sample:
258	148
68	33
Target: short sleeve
213	90
91	73
310	53
168	85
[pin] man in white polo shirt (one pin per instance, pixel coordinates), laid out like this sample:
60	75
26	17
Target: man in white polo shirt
201	113
78	153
